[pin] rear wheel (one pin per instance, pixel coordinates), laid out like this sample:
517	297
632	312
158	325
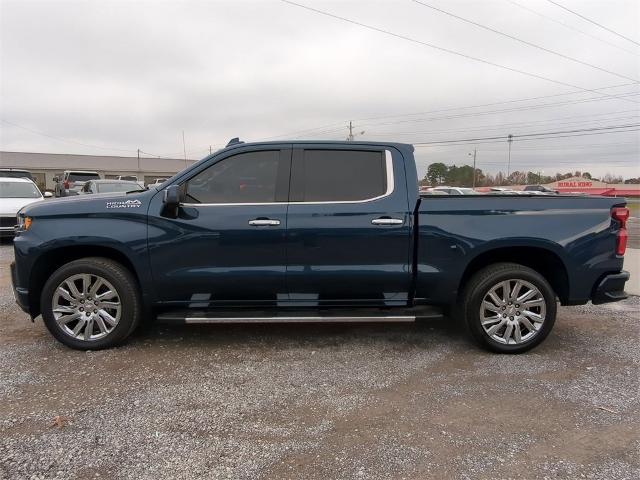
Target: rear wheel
509	308
91	304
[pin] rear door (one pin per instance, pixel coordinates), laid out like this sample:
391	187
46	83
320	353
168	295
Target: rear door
348	227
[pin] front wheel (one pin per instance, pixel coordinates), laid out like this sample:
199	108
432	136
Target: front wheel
91	304
509	308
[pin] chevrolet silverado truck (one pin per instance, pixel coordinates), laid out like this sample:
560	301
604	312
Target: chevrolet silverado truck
314	232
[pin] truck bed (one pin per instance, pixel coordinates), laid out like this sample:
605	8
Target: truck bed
575	234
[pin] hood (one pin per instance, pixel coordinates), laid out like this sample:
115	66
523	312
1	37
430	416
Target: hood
10	206
87	204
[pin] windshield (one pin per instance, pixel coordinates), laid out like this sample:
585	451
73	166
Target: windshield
19	190
117	187
81	177
468	191
15	174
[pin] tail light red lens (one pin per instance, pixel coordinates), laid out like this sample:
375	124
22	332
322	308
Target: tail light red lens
622	215
66	184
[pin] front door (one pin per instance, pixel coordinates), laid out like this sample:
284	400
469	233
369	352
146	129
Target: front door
349	227
227	246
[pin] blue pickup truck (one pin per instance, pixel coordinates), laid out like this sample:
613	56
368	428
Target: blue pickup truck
314	232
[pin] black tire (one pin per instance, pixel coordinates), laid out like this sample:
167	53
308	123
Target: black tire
479	286
122	281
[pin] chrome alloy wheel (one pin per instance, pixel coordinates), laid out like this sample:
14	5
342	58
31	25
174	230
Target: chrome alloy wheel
513	311
86	307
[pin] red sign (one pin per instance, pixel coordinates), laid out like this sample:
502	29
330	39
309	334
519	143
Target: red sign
574	184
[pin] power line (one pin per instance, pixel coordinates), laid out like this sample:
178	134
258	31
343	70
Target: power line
498	103
512	125
60	139
490	112
525	42
436	47
570	27
594	22
524	136
339	126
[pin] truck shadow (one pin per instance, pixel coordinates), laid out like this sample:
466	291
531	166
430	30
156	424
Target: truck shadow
299	334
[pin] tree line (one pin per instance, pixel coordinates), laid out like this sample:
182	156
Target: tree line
452	175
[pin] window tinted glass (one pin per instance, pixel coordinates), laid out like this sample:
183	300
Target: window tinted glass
79	177
244	178
338	175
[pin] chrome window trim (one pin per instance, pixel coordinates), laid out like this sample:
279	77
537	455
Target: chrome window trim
390	190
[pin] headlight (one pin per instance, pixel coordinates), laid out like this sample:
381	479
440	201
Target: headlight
23	223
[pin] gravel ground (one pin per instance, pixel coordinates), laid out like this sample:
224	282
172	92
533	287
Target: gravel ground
326	401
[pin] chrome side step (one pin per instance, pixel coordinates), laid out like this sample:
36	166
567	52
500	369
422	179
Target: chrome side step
337	315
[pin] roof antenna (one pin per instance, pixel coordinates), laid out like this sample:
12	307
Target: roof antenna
234	141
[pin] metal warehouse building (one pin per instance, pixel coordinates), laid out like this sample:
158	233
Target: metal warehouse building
45	166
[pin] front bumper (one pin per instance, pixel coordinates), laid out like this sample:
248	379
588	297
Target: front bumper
19	293
610	288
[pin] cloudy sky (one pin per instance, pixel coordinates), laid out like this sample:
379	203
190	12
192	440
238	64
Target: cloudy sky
109	77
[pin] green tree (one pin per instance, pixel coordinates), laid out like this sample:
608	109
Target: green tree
436	173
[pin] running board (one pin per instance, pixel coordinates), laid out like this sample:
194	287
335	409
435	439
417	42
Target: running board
328	316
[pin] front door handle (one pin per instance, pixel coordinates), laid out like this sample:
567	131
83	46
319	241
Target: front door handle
264	222
387	221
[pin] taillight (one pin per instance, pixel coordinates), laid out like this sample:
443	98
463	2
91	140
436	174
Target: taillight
66	184
622	215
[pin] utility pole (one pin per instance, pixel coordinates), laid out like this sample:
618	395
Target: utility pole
509	139
475	151
209	149
138	160
184	149
351	134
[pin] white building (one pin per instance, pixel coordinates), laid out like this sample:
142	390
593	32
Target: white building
45	166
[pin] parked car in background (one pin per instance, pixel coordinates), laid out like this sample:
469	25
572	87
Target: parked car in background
454	190
156	182
15	173
130	178
315	231
72	182
432	192
539	188
15	193
110	186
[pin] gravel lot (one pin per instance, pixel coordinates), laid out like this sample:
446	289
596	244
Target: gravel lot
339	401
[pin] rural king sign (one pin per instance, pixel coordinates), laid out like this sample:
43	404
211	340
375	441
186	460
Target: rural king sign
574	184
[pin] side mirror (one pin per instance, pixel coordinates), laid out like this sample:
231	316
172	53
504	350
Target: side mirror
171	201
48	194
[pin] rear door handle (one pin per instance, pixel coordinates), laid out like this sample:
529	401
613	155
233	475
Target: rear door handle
264	222
387	221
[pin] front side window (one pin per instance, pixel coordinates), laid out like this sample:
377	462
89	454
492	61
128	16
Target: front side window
338	176
249	177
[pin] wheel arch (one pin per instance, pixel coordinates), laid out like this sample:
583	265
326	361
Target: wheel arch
53	259
543	260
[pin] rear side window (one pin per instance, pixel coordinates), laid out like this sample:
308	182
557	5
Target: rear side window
250	177
338	175
82	177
